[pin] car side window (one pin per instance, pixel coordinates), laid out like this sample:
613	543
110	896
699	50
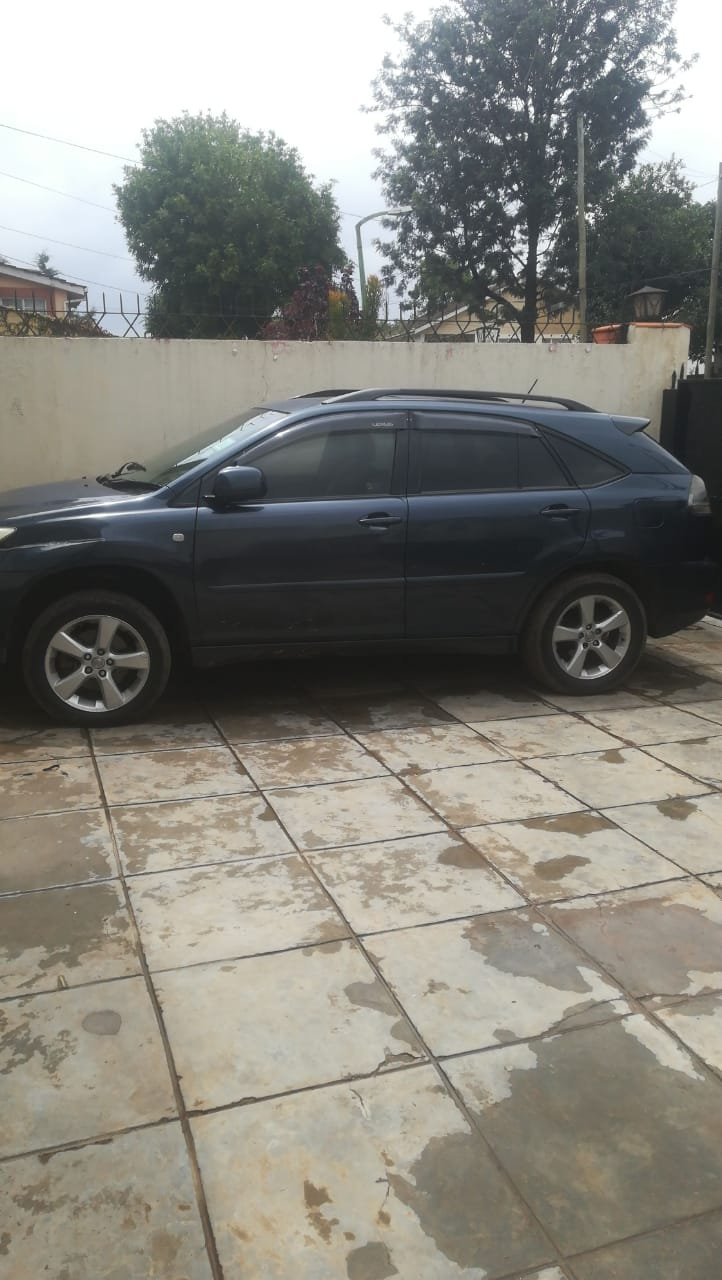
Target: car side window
588	468
467	461
537	468
330	464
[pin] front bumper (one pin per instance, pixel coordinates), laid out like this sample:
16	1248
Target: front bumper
10	592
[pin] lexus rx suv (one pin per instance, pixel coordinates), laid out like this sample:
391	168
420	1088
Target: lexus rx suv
372	519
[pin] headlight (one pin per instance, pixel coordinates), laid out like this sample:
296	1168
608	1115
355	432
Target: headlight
5	531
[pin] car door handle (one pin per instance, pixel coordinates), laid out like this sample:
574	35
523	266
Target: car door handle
379	520
560	511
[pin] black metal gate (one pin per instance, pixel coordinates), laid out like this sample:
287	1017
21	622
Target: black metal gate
692	431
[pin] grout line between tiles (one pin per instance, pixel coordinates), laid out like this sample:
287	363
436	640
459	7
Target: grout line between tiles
44	1154
200	1194
646	1235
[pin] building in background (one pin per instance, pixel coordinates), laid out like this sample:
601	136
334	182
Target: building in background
26	289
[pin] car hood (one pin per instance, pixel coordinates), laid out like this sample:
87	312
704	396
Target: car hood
61	496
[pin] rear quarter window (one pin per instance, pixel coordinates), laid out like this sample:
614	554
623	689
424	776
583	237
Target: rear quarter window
650	458
587	467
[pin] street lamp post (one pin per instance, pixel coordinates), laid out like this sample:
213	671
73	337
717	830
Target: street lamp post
382	213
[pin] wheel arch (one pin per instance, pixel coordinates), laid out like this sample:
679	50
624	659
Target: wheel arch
140	584
628	571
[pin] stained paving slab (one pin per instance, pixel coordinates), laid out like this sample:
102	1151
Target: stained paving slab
607	1131
384	968
121	1208
381	1178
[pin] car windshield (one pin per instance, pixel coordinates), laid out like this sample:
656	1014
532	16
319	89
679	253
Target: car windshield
172	463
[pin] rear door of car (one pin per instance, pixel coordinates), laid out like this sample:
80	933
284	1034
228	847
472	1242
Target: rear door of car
492	515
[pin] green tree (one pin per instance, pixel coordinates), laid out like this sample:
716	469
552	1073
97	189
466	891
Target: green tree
650	230
220	221
369	326
42	262
479	111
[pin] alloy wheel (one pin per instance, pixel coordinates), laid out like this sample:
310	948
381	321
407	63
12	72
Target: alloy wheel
591	636
97	663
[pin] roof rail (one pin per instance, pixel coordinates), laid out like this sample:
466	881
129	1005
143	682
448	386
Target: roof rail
327	393
442	393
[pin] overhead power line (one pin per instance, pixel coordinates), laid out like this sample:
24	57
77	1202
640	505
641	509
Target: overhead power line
68	194
103	253
63	142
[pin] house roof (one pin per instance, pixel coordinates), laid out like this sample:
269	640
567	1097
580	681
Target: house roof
463	315
25	276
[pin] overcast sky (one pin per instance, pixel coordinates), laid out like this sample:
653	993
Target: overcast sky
97	74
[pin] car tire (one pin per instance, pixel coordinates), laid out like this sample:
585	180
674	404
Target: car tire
96	658
568	644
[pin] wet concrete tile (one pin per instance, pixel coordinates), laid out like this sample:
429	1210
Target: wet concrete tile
702	758
121	1208
688	1251
390	711
544	736
470	984
677	685
582	703
28	739
64	937
602	779
299	761
607	1131
181	833
61	848
643	725
567	856
264	720
476	704
430	747
698	1023
241	908
172	775
272	1024
352	813
472	794
370	1180
711	709
663	939
173	727
414	881
34	788
79	1063
687	831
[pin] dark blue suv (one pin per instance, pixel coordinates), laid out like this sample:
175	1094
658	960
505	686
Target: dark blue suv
374	519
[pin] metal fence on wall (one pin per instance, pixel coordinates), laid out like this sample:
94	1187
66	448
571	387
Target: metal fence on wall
128	319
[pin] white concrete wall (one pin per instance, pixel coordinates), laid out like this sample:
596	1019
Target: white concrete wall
75	405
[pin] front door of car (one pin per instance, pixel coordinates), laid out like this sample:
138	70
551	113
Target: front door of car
321	555
492	515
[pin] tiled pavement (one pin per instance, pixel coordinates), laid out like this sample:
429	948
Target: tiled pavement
364	969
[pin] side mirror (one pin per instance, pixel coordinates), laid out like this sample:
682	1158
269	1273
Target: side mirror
238	484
